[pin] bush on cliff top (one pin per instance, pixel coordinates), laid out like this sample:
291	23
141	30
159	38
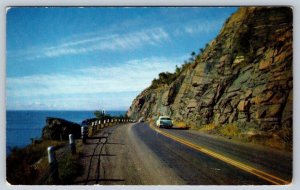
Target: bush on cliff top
168	78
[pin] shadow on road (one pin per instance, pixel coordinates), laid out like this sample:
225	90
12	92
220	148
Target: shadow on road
112	143
98	137
84	156
115	143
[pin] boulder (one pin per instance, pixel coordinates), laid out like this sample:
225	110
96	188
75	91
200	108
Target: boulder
59	129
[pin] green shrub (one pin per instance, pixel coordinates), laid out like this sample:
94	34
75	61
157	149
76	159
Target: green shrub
230	130
164	78
168	78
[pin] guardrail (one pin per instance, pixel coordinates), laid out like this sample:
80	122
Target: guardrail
52	175
97	125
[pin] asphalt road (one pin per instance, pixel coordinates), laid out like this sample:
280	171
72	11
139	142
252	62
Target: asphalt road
275	162
135	154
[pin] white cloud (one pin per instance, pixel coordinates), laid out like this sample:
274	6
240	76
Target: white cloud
112	87
111	40
133	75
194	27
96	42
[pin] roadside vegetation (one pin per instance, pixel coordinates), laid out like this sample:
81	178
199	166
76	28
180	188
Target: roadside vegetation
69	168
246	132
29	165
101	115
180	124
230	130
208	127
168	78
21	164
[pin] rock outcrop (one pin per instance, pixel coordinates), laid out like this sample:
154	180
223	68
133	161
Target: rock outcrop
243	76
59	129
88	121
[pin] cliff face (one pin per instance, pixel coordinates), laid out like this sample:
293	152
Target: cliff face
244	76
59	129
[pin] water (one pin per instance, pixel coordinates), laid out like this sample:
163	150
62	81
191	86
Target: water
23	125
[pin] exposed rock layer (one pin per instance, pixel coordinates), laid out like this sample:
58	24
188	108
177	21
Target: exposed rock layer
243	76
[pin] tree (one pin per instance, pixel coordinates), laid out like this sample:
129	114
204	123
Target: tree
155	83
201	50
98	114
177	70
206	45
193	54
101	115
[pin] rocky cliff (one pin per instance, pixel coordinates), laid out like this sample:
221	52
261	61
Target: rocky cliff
59	129
243	77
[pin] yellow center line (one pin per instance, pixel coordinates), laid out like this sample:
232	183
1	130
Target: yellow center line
266	176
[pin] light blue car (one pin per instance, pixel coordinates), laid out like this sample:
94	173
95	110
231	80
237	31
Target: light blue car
164	121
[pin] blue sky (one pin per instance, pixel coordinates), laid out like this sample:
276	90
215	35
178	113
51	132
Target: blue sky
98	58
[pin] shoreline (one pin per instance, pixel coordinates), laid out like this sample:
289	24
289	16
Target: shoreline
32	158
19	133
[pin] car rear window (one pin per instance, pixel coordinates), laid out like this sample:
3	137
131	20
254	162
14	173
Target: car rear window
164	118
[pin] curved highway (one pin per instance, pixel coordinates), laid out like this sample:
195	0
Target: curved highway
137	154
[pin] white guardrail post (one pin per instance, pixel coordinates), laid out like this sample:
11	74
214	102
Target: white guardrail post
83	134
53	166
72	144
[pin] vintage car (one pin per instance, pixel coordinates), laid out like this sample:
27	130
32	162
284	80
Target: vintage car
164	121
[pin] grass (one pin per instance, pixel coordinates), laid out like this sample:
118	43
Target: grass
249	133
21	165
244	132
69	168
180	124
230	130
208	127
29	165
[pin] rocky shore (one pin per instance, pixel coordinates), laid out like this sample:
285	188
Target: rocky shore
59	129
